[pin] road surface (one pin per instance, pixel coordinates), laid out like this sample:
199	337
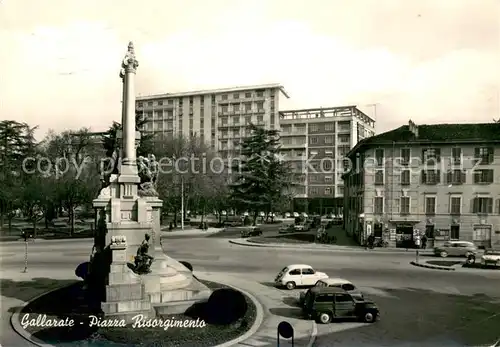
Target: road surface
419	306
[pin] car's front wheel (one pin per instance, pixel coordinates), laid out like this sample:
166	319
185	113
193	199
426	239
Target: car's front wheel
369	317
324	318
290	285
443	254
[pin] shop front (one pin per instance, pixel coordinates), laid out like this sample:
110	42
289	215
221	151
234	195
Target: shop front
403	233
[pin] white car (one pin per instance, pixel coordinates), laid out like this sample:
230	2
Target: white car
339	283
298	275
491	258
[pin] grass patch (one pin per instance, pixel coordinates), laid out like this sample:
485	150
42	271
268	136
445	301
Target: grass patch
71	302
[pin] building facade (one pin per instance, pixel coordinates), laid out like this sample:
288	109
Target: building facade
315	141
440	180
218	116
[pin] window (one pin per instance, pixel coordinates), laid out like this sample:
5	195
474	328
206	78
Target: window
224	109
481	234
455	205
313	127
294	272
328	139
329	127
313	191
236	95
482	205
139	104
343	298
260	93
344	138
404	205
260	119
328	179
248	106
405	156
456	177
430	205
379	157
483	176
260	106
431	176
170	101
456	156
327	165
378	205
328	191
405	177
328	153
248	95
429	231
348	287
324	298
224	120
236	107
431	155
248	120
150	103
224	96
379	177
485	155
307	271
313	140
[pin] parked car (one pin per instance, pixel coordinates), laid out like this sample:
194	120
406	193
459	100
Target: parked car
456	249
324	304
298	275
288	228
251	231
336	283
491	258
304	226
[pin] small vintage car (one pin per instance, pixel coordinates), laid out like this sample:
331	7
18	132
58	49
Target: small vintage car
491	258
456	249
338	283
298	275
251	231
287	228
325	304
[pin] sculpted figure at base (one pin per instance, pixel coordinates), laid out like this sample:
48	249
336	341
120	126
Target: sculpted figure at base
148	172
143	261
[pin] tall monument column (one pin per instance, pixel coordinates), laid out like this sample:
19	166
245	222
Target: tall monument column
128	174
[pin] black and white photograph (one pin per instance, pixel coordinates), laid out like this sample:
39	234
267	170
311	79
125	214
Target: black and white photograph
255	173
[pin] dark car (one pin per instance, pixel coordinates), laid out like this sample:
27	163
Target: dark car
325	304
252	231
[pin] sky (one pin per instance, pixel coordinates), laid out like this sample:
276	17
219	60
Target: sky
431	61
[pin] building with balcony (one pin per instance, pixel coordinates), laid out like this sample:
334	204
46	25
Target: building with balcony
441	180
315	141
218	116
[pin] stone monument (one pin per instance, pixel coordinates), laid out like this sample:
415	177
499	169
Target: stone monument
128	213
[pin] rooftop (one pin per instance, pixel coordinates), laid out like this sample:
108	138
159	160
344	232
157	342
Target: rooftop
214	91
322	112
434	133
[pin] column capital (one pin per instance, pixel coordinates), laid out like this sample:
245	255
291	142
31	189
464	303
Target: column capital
130	62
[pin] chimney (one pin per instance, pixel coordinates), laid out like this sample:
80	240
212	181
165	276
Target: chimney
413	128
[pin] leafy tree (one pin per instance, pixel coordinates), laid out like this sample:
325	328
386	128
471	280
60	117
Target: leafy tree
16	143
263	179
110	139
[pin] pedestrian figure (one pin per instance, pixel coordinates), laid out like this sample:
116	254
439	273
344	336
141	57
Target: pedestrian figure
424	242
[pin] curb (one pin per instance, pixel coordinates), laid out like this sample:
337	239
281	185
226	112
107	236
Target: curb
308	248
434	267
314	334
259	319
16	325
15	322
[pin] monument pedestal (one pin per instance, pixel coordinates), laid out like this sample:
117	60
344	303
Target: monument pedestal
170	288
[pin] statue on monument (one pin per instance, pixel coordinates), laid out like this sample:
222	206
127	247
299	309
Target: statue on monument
147	169
143	261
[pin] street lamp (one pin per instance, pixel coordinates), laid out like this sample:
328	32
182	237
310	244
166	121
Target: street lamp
182	194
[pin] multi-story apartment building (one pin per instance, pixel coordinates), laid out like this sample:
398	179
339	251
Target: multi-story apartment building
442	180
315	141
218	116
